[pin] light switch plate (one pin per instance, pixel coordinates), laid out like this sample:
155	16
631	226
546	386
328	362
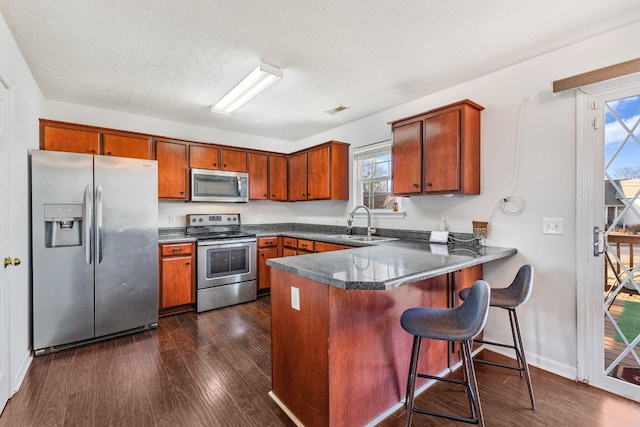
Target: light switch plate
552	226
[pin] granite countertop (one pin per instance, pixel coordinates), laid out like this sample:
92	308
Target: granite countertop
387	265
368	266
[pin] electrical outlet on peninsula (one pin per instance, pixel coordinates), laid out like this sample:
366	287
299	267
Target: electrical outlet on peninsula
295	298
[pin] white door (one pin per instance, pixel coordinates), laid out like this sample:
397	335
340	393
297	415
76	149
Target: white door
610	358
5	116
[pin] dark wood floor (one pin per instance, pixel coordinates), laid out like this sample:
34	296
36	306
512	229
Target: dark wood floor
213	369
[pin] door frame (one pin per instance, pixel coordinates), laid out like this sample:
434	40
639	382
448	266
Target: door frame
589	269
5	306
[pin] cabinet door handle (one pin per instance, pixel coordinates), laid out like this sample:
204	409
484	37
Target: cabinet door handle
415	185
176	250
108	153
187	263
215	165
224	166
428	184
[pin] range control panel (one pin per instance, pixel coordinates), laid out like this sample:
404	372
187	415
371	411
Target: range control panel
223	219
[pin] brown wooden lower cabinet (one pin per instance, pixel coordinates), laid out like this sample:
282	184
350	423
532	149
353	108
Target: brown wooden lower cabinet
268	247
328	247
346	348
176	290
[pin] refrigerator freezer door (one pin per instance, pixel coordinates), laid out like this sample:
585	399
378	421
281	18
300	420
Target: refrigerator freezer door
127	240
62	280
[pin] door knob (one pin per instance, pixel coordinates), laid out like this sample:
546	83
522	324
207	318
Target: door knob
11	261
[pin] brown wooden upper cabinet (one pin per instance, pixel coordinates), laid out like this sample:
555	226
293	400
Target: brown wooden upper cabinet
233	160
59	136
258	176
202	157
297	177
127	146
438	151
321	172
72	140
172	170
278	178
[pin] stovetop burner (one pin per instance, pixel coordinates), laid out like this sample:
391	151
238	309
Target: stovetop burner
215	227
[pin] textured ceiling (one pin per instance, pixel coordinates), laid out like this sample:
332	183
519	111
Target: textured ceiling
173	59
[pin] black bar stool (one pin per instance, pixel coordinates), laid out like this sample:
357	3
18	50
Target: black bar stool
460	324
510	298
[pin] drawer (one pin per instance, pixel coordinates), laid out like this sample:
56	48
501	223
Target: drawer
289	242
305	245
267	242
328	247
176	249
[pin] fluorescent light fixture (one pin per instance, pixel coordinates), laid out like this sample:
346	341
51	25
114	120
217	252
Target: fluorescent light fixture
257	81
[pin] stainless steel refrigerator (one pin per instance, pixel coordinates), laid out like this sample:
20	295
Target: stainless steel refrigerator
94	247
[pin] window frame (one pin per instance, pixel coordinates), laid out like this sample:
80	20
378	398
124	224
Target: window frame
372	151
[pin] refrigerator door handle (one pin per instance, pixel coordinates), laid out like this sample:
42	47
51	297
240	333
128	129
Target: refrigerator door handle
88	219
99	232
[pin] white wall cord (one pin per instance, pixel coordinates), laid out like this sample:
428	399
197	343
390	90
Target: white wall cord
511	204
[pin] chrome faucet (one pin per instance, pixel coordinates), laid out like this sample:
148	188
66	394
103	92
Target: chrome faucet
370	230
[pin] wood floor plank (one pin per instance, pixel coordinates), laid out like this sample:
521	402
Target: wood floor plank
214	369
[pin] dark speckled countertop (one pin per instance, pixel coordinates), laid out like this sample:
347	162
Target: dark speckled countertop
387	265
368	266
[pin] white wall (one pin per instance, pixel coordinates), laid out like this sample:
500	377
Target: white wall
547	178
547	183
25	106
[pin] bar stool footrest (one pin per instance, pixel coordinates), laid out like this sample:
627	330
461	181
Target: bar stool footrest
488	362
445	415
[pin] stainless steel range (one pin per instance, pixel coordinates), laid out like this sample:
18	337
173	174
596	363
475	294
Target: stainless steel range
227	268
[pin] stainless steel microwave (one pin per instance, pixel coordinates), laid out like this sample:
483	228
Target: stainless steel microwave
219	186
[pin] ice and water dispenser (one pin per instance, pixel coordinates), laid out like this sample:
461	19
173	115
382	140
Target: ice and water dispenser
62	225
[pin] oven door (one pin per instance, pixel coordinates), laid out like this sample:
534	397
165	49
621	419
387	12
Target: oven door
222	262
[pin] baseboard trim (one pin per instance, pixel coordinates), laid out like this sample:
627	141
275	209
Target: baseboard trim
18	375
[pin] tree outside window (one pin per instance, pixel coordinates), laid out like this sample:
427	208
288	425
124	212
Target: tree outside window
372	165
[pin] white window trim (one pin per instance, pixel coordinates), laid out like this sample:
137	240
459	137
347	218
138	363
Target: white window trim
375	213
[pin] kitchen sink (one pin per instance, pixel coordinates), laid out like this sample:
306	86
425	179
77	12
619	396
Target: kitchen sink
361	238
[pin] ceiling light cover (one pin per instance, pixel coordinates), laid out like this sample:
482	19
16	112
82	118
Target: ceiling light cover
257	81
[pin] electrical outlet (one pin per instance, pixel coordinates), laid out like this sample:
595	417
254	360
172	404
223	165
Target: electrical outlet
172	219
552	225
295	298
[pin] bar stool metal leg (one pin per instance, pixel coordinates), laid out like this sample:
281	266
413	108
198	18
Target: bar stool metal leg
470	383
522	358
474	396
411	381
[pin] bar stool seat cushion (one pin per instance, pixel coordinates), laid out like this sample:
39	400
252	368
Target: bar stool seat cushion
512	296
451	324
500	297
436	323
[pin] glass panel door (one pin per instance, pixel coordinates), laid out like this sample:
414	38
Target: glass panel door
621	238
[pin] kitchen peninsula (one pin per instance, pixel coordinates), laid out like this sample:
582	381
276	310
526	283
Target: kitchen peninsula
339	355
